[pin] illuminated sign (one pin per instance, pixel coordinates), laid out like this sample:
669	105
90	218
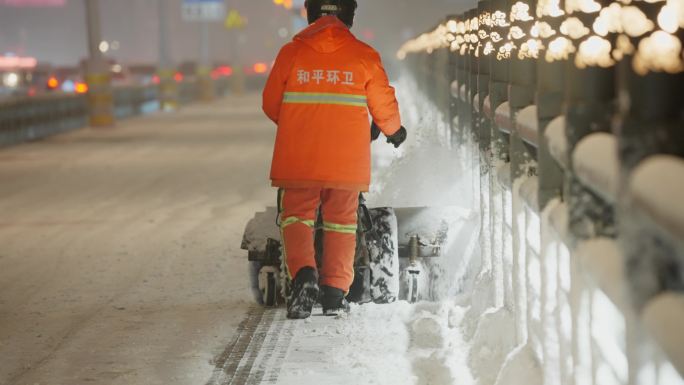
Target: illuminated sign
33	3
15	62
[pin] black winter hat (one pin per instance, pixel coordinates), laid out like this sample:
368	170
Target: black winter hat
343	9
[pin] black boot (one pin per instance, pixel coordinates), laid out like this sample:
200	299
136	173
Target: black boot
333	301
304	294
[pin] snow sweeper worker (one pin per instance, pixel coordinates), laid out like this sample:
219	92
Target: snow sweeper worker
319	93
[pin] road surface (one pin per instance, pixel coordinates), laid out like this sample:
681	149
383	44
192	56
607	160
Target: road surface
119	249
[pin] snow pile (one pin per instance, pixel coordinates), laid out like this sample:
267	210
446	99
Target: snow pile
494	339
521	368
595	161
437	349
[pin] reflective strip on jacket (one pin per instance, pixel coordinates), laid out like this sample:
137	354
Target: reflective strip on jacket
321	89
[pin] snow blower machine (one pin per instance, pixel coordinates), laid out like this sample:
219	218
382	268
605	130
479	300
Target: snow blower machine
391	244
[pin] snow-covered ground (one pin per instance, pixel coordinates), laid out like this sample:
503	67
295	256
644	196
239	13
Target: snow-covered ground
120	258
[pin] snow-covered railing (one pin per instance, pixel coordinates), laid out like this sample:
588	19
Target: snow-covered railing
573	168
596	164
502	117
527	125
557	141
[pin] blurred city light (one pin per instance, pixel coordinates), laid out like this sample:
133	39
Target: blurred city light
10	80
68	86
81	88
260	68
104	46
52	83
288	4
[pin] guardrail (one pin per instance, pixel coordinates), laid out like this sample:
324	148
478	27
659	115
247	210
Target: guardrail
29	118
574	116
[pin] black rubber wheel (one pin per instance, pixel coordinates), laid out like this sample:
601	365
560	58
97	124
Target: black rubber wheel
271	291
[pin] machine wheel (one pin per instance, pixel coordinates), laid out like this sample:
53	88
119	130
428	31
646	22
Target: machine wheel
383	251
270	292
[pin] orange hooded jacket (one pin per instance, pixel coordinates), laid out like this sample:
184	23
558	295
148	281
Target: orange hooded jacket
319	93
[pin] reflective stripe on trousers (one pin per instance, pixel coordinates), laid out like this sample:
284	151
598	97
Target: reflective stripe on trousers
299	208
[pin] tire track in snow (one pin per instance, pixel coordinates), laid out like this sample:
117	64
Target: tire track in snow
257	352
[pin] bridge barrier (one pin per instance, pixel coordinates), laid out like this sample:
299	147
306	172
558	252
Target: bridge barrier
572	112
30	118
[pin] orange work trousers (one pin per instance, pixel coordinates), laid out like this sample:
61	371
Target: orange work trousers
299	208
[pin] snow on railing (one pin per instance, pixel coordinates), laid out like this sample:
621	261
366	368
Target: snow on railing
527	124
557	141
503	117
656	186
596	164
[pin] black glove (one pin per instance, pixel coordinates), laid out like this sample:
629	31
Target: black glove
375	132
398	138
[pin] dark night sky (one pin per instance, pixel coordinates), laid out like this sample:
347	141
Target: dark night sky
57	35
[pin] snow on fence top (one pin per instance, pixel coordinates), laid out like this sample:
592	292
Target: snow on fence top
558	142
528	125
595	161
503	117
656	186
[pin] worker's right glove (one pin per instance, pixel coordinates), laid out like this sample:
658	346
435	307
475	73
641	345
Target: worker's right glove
398	137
